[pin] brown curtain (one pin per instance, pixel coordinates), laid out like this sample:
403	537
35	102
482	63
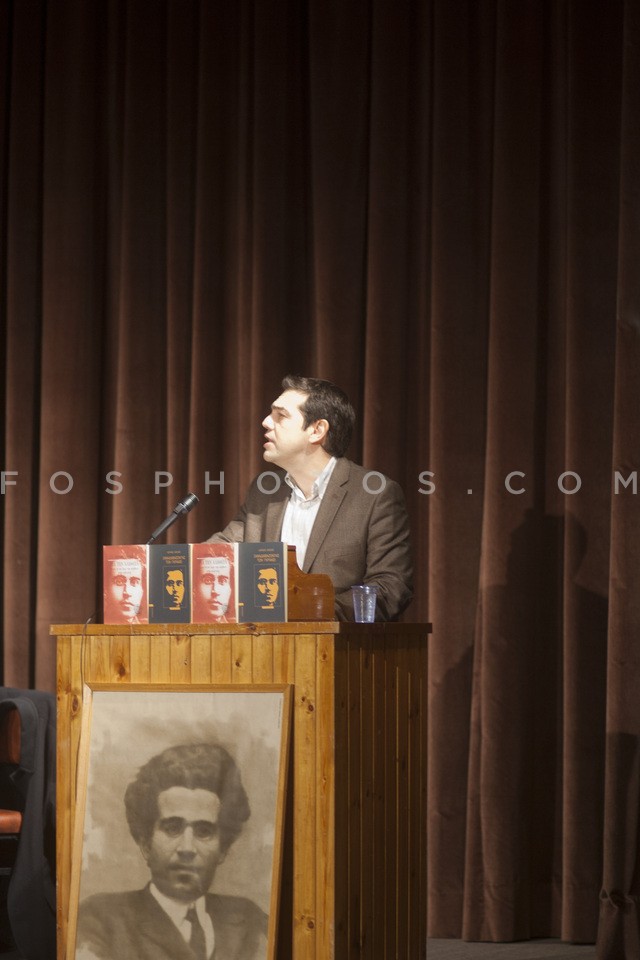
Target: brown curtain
434	204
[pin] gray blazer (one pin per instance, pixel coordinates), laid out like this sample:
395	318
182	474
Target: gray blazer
357	537
133	926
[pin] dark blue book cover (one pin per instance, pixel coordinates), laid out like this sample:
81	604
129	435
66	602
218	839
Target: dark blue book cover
262	582
169	583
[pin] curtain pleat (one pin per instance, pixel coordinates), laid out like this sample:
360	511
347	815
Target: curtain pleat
23	41
619	928
434	204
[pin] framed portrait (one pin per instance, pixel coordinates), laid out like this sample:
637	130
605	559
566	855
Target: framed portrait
177	843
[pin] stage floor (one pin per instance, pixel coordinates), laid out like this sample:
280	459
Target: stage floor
525	950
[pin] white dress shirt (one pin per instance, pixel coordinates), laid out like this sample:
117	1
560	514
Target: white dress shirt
177	911
301	512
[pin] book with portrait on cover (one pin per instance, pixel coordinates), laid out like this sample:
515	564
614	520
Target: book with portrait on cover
125	587
169	583
213	583
262	582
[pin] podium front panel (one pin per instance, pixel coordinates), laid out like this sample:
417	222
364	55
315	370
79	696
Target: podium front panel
353	879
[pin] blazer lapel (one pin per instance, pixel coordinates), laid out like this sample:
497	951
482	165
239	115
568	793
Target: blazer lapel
158	932
333	497
229	929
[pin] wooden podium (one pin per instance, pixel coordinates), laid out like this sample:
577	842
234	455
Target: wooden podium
354	865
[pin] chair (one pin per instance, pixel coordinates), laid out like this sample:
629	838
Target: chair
11	807
27	822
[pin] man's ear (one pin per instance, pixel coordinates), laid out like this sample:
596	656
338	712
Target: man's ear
319	432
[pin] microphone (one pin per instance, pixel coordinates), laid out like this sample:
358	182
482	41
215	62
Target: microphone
184	506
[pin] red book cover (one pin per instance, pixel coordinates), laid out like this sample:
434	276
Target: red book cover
213	583
125	583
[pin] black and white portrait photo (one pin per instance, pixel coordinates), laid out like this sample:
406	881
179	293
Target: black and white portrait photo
181	819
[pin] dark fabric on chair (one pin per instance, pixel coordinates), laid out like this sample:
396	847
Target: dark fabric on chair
31	901
11	800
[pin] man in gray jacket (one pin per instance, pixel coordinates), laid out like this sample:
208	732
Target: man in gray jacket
344	521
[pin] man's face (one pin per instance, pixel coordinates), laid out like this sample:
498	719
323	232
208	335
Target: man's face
285	437
126	586
268	585
184	850
174	586
214	585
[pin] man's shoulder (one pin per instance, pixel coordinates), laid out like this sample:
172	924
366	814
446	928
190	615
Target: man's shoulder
231	909
366	479
271	475
107	920
115	904
269	485
269	482
235	910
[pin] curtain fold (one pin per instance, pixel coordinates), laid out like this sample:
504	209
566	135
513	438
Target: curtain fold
619	928
434	204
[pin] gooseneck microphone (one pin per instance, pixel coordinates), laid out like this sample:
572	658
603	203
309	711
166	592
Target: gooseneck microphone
186	504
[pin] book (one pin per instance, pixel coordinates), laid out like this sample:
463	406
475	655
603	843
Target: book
169	583
125	583
262	582
213	583
195	583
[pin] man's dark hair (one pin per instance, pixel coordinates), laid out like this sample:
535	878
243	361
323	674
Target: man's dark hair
327	402
204	766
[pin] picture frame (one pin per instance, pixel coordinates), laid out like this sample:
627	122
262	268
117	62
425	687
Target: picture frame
132	740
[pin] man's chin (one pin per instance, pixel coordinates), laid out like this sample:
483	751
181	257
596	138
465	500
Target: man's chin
271	456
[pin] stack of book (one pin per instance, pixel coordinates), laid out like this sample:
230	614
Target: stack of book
195	583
